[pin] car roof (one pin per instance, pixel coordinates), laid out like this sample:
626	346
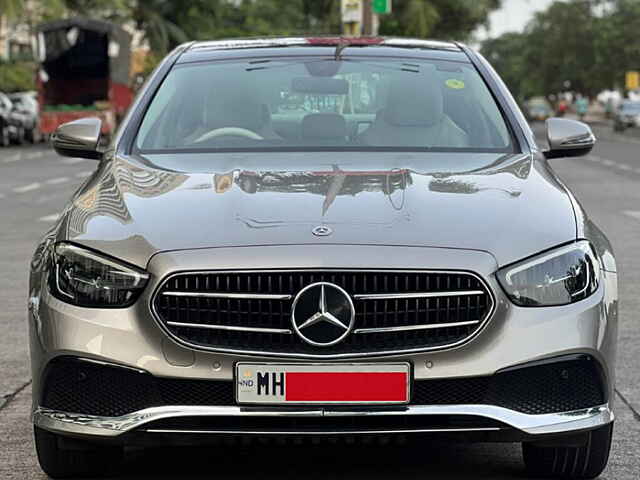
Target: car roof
297	46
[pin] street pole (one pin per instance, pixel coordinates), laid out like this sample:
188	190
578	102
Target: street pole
367	18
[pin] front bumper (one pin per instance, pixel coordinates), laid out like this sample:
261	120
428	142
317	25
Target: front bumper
513	336
558	395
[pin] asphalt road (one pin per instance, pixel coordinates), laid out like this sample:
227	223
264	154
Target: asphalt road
35	184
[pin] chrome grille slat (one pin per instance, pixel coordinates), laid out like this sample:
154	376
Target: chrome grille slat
415	327
240	296
249	311
394	296
230	328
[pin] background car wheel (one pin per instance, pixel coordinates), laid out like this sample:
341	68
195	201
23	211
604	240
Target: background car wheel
5	139
69	458
572	460
20	136
34	135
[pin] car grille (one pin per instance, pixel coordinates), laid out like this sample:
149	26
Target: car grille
76	386
395	311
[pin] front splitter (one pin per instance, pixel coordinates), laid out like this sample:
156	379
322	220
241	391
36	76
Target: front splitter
91	425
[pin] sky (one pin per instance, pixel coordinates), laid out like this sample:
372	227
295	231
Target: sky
513	16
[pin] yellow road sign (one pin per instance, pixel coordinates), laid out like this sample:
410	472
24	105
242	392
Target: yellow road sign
633	80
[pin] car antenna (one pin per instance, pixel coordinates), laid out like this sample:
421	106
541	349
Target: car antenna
339	48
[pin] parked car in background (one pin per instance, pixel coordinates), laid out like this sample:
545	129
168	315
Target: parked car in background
627	115
539	109
12	122
26	104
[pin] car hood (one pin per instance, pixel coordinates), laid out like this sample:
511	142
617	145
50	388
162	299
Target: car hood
134	207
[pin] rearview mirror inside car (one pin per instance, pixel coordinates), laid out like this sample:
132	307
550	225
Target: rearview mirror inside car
320	85
78	138
568	138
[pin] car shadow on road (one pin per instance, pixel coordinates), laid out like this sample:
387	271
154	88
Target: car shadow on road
453	461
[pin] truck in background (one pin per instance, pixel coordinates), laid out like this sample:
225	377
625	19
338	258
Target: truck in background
83	72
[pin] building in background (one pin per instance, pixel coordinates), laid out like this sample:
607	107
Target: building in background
16	37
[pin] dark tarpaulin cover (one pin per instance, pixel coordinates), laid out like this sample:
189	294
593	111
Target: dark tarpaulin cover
57	43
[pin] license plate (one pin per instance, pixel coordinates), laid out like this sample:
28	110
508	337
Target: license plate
303	384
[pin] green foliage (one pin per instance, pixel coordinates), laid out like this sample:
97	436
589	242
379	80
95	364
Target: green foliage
17	76
506	54
590	44
167	23
114	10
11	8
445	19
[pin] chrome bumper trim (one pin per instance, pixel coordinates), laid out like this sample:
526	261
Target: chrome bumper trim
323	432
64	422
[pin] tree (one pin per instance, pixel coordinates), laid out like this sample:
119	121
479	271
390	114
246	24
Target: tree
508	56
617	45
562	47
16	76
575	41
11	8
446	19
156	19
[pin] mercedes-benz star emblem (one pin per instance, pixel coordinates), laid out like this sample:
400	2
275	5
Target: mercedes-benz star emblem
322	314
322	231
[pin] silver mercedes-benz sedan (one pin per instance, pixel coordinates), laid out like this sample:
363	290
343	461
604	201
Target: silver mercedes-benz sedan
323	237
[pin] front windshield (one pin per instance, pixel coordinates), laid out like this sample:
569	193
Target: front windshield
315	104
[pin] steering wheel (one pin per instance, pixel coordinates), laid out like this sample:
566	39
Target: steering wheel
232	131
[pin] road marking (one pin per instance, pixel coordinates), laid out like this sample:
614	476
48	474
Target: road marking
12	158
611	163
55	181
633	214
84	174
50	218
72	161
27	188
33	155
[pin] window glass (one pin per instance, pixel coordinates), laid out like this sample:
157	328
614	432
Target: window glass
318	103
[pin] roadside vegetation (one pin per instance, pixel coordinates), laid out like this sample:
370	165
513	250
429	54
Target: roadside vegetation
166	23
581	45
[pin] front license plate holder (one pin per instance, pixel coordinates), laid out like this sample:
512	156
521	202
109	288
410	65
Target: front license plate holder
322	383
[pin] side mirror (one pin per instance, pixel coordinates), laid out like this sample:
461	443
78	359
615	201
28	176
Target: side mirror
568	138
78	139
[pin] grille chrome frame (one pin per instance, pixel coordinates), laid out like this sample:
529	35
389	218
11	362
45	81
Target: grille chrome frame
328	356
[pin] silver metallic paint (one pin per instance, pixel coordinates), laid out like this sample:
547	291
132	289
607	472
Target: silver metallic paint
458	212
132	211
80	137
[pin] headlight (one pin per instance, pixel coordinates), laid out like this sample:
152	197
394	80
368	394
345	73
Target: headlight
559	277
87	279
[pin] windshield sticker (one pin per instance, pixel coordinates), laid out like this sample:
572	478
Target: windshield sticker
455	84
